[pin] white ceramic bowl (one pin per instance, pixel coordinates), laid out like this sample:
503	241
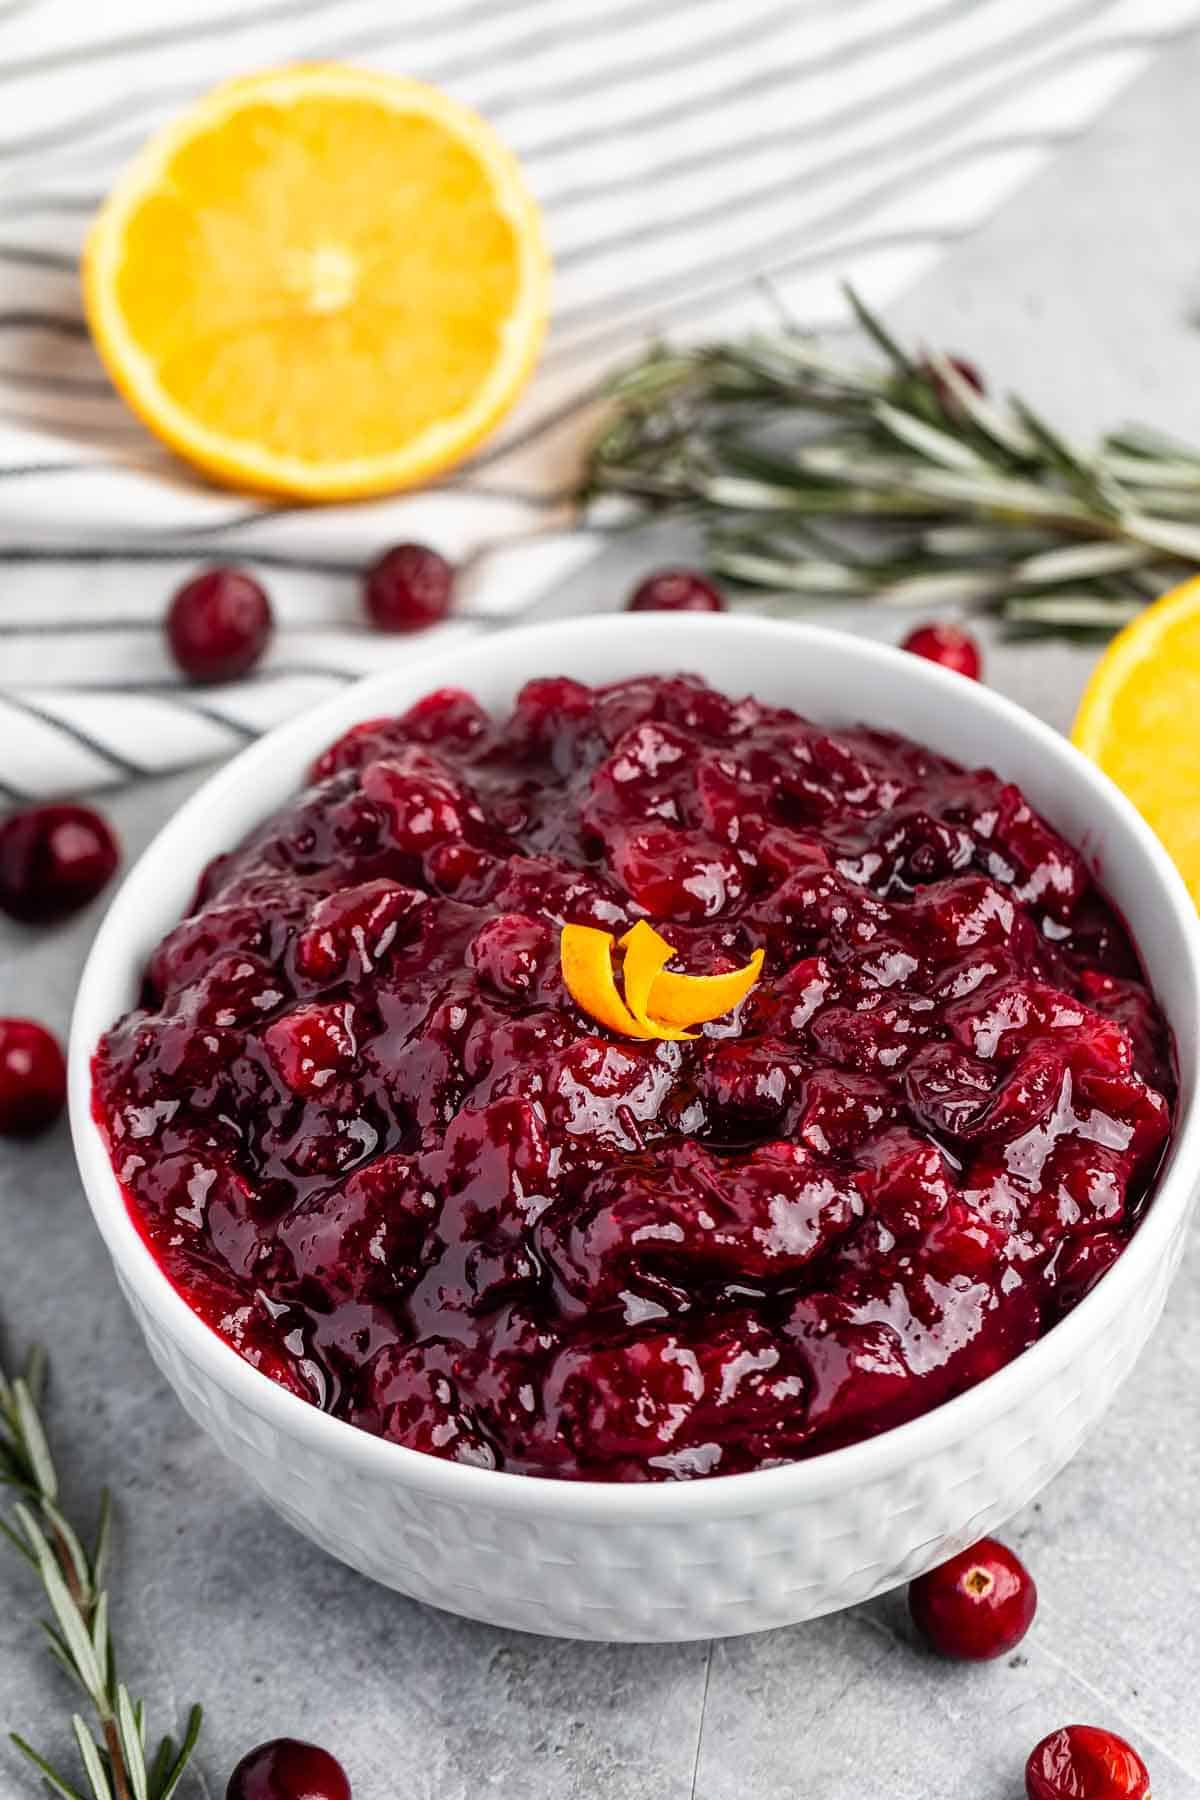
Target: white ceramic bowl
734	1553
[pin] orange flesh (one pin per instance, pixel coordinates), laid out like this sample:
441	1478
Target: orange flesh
1138	720
587	968
322	278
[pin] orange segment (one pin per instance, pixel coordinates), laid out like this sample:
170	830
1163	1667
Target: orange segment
646	954
320	281
587	968
694	999
1138	720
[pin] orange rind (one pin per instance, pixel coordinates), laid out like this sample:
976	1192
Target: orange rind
656	1003
1137	720
696	999
586	954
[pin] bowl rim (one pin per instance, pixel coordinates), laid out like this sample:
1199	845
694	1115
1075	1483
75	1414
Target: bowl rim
784	1486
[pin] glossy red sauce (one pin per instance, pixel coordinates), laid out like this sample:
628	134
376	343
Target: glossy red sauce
373	1142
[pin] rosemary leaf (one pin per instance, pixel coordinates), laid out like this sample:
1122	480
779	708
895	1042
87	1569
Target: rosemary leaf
875	329
103	1547
1144	440
807	577
34	1373
1163	534
33	1440
998	495
75	1634
49	1775
161	1767
1003	432
79	1639
962	585
132	1748
89	1756
100	1639
748	496
195	1719
56	1645
68	1539
965	543
33	1532
1090	612
937	446
1142	471
1078	561
1054	448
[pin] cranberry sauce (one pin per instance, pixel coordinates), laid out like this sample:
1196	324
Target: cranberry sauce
373	1142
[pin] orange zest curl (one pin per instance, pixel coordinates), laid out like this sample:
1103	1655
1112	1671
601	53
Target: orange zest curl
656	1003
587	969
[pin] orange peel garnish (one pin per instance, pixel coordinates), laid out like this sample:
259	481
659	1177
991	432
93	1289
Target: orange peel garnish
657	1004
646	955
694	999
586	955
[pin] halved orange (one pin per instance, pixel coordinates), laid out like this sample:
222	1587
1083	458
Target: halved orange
1138	719
319	281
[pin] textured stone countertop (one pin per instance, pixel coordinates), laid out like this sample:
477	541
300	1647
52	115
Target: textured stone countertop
1079	293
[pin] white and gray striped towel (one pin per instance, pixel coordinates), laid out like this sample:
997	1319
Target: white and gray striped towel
682	149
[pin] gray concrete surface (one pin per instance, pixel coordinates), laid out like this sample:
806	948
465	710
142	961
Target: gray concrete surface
1079	293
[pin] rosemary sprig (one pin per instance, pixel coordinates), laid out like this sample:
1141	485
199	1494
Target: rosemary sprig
78	1635
898	482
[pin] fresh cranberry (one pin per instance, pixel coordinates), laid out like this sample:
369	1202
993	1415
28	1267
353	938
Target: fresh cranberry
948	645
1085	1762
53	860
675	590
286	1769
33	1078
409	588
978	1605
219	624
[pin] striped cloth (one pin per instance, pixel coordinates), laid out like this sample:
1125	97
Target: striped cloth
682	149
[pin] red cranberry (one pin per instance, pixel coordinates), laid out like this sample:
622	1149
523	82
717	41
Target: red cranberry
948	645
675	590
286	1769
219	624
53	860
978	1605
409	588
1085	1762
33	1078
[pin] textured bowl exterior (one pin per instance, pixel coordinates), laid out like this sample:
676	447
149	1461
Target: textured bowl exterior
730	1554
771	1562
